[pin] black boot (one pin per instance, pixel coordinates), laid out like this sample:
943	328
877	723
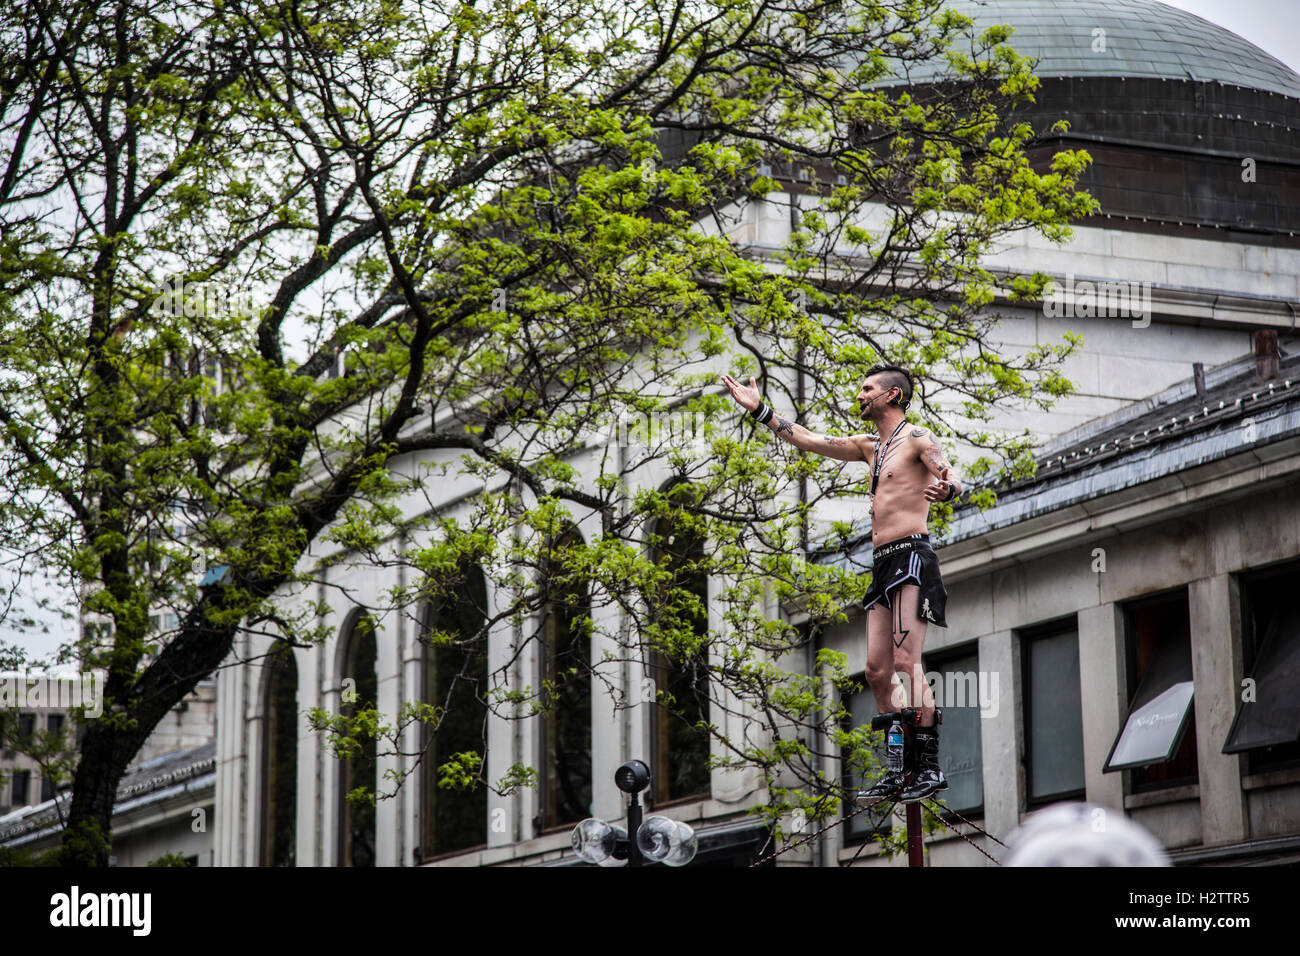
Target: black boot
928	777
895	774
891	782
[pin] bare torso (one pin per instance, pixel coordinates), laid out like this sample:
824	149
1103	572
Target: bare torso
899	507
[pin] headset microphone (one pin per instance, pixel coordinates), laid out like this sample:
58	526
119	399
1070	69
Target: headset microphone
876	399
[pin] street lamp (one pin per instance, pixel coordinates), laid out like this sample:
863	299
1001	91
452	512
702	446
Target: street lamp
596	841
666	841
658	839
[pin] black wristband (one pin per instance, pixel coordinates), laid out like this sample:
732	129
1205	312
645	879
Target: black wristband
763	414
952	492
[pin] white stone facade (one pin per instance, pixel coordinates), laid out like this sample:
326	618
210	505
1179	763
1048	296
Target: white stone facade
1207	297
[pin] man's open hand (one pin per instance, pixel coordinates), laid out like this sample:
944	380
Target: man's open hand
746	395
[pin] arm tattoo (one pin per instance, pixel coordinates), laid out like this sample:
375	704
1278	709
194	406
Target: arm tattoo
934	455
832	440
784	427
918	432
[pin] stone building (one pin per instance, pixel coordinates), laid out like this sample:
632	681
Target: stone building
1138	587
1143	567
164	801
21	782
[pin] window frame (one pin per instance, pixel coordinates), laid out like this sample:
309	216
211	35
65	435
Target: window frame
1133	783
427	847
346	811
1068	624
283	665
548	818
660	670
934	661
1251	644
26	777
26	729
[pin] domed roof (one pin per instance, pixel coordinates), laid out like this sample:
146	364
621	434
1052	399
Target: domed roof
1143	38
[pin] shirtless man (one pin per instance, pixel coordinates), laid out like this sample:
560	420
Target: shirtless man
906	591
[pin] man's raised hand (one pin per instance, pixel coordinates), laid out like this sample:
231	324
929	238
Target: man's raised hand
746	395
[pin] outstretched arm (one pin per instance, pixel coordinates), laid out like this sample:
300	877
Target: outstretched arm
854	448
948	486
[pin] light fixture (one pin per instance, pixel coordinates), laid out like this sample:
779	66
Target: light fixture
658	840
666	841
595	841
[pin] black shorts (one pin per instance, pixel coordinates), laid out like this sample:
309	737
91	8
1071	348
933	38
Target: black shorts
908	560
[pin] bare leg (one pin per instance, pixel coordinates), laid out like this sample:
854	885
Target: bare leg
907	637
881	673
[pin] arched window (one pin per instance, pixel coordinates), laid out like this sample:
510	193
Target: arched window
280	759
455	678
357	822
566	672
680	751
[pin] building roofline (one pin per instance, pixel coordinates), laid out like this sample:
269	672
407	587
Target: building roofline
1215	377
27	823
1114	467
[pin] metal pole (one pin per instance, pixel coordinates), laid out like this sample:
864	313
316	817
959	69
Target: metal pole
634	857
915	843
915	846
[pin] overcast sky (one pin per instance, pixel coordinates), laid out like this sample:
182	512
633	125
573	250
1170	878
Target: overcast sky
1272	25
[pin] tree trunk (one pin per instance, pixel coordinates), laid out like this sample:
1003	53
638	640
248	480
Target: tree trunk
104	758
108	748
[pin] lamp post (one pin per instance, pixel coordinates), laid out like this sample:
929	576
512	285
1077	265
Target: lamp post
632	778
658	839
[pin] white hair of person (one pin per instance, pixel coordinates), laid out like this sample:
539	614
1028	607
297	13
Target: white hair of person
1083	834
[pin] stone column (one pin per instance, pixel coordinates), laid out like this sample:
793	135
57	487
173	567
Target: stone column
1105	699
389	850
607	740
1215	619
1001	735
504	734
226	825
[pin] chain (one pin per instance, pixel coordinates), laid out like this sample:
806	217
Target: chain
971	823
880	456
818	833
937	807
974	844
863	845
